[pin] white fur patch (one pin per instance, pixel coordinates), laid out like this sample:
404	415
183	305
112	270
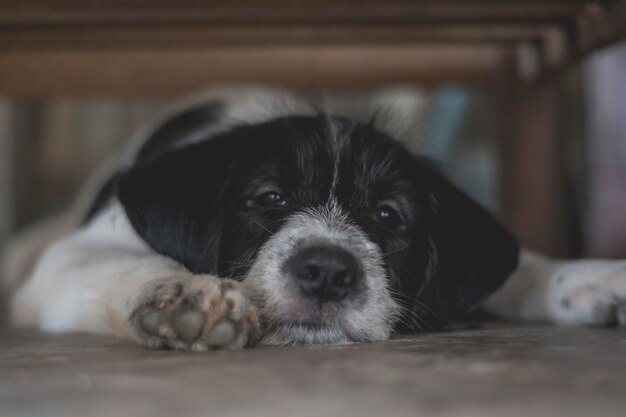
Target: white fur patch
585	292
79	280
588	292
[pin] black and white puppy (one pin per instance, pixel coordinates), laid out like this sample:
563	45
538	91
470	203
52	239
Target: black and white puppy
321	230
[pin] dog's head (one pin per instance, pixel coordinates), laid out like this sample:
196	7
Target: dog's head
338	233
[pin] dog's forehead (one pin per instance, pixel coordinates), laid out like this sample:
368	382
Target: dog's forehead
331	156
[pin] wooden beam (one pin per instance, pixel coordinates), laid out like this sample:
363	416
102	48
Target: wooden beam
90	12
150	72
7	171
535	203
601	25
220	35
27	175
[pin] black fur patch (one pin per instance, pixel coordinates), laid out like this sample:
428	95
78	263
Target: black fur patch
178	128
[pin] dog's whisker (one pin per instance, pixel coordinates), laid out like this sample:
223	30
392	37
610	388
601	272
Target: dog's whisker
412	319
406	307
263	227
396	250
226	271
240	263
402	296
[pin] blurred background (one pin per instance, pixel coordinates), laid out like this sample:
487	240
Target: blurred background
522	102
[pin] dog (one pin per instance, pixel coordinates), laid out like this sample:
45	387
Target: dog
227	225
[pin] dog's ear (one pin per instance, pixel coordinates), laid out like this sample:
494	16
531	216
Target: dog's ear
471	254
175	202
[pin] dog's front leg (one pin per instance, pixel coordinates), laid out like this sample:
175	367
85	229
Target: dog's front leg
104	279
581	292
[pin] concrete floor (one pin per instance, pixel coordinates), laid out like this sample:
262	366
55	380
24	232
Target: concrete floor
495	370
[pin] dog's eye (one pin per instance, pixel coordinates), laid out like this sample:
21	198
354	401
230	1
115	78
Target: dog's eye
387	216
271	198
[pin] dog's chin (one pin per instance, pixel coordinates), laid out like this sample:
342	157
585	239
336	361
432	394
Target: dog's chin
297	333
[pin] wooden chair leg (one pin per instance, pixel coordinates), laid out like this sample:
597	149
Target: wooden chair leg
534	175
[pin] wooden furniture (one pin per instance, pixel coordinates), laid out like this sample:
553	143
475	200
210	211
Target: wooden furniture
156	47
521	52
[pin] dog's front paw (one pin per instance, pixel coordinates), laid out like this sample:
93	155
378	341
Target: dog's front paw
196	313
589	293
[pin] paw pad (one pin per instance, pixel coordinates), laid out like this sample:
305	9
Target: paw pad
195	313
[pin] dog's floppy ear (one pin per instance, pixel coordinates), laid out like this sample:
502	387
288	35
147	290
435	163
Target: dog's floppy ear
174	202
471	254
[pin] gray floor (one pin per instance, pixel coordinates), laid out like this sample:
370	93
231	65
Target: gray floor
496	370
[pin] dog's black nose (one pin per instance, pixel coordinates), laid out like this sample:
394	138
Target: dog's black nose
327	273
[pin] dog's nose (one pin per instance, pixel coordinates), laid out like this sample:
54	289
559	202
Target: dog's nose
327	273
